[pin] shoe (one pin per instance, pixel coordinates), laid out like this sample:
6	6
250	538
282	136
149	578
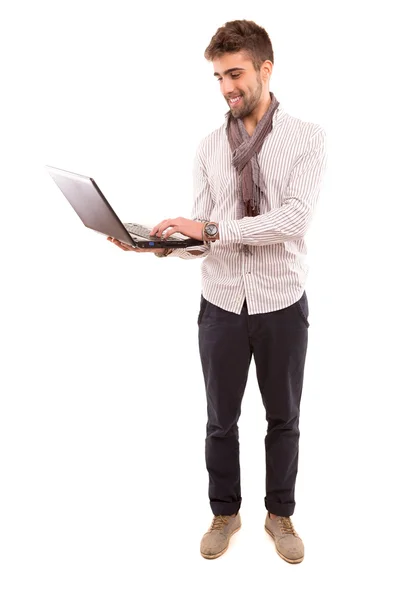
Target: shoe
216	541
288	543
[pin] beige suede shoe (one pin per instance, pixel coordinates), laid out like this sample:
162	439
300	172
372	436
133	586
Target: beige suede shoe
288	543
216	541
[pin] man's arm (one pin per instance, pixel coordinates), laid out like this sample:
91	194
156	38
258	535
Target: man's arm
202	205
291	220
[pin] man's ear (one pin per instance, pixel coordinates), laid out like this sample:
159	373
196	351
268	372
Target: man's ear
266	70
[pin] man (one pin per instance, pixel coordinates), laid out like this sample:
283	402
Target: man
256	184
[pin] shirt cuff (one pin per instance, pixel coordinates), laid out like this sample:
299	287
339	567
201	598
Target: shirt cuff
230	232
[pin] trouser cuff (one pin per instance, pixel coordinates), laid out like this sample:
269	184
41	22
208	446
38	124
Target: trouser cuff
281	510
225	508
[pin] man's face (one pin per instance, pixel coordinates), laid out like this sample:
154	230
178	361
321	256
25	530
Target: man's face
240	84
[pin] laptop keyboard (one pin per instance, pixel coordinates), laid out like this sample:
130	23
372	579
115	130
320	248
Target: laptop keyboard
136	229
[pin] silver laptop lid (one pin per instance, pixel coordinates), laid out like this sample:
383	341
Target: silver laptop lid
89	203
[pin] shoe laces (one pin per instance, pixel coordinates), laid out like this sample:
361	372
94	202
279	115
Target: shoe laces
287	526
219	521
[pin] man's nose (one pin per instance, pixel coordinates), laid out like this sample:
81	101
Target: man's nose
227	87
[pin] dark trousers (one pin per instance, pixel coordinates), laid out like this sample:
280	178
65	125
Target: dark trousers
227	342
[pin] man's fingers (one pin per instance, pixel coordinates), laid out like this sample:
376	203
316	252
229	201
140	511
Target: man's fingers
158	229
171	231
120	244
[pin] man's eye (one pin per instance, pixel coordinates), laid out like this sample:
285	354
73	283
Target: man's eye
234	76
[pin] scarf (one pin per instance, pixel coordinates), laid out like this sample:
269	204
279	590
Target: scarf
245	149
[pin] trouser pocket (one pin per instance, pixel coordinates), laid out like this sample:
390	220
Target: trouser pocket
203	304
302	307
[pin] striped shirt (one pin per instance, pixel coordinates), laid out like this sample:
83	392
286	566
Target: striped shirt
260	259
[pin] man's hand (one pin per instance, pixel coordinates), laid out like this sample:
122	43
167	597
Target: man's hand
126	247
193	229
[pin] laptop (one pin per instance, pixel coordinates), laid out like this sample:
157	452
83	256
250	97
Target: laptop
96	213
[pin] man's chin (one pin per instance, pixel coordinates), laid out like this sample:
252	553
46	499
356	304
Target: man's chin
235	112
238	114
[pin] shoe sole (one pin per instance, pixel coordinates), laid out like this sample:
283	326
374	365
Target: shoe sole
211	556
289	560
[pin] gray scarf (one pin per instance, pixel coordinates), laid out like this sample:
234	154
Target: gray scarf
245	149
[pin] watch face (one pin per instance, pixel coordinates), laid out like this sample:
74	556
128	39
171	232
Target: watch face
211	230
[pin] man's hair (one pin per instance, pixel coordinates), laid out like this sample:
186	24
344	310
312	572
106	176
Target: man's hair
241	36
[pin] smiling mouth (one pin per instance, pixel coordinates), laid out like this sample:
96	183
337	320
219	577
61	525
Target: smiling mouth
235	101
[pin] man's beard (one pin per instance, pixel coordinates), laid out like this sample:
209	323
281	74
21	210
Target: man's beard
248	103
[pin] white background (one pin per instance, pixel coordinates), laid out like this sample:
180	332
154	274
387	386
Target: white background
103	479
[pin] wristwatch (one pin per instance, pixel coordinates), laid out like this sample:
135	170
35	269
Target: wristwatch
210	231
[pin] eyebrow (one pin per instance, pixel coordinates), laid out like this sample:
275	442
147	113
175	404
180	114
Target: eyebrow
230	70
